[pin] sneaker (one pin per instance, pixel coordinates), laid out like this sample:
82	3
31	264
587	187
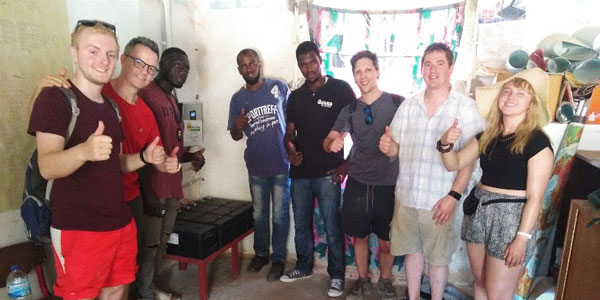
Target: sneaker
386	289
162	295
276	271
257	263
294	275
360	289
336	288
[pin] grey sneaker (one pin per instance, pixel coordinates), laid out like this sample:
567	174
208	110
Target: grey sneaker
336	288
294	275
360	289
386	289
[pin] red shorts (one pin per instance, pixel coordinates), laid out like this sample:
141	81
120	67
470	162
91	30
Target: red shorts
87	261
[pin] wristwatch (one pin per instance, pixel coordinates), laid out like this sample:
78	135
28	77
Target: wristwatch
455	195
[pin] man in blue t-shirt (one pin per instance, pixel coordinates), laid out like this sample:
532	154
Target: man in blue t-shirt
258	111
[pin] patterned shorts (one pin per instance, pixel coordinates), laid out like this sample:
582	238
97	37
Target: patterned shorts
495	224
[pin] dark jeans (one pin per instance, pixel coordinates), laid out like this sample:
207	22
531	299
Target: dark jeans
327	193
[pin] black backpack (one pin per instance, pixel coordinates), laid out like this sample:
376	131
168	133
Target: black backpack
36	193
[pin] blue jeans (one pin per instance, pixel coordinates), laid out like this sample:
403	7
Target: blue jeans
263	190
304	192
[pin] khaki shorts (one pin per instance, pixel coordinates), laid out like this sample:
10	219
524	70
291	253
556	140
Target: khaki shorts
413	230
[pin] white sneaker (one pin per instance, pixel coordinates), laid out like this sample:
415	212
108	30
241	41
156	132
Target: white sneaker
336	288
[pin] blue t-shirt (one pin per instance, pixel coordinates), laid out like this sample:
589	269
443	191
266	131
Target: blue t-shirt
265	153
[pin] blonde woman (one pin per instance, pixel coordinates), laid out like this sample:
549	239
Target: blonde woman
516	158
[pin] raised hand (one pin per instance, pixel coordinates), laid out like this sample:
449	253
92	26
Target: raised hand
385	142
241	121
154	153
338	143
172	161
294	156
452	134
98	146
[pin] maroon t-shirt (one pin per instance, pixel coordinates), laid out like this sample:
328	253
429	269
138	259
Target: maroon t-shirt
91	198
168	118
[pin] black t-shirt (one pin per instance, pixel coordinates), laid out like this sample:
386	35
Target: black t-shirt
505	170
313	114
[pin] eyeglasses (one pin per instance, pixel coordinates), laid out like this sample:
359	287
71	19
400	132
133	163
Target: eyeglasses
369	115
140	64
92	23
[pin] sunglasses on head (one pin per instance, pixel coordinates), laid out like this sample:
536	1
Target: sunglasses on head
92	23
369	115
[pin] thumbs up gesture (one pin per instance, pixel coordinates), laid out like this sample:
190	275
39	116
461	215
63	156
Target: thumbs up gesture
452	134
241	121
338	143
154	153
385	142
98	146
172	162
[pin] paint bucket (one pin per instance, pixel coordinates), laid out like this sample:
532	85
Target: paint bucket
517	61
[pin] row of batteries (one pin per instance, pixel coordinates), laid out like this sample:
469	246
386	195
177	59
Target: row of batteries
207	226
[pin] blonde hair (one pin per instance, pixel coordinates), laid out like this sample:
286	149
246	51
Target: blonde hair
535	118
97	28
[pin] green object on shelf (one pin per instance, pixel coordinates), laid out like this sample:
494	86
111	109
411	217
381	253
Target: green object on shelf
594	198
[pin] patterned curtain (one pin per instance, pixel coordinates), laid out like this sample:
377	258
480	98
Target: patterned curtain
399	39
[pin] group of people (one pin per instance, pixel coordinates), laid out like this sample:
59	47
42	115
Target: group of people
405	173
108	219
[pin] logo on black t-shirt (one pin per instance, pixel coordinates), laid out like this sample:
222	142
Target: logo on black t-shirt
326	104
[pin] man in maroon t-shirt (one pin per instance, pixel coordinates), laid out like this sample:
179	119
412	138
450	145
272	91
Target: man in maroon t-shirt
92	231
161	189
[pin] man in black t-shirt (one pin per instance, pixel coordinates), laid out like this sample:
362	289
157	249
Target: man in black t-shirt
311	112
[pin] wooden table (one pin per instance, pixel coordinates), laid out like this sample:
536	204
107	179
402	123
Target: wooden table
201	263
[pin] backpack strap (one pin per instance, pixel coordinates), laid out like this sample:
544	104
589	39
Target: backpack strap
74	111
114	106
352	108
397	99
72	99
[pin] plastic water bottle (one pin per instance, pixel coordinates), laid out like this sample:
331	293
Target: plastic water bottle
17	284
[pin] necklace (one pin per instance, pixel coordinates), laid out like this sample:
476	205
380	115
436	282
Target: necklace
507	138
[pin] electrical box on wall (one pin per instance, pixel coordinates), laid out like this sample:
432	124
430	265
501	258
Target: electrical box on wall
192	122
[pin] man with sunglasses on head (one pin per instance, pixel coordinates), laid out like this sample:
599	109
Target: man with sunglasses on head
369	194
312	111
258	110
426	193
93	234
163	192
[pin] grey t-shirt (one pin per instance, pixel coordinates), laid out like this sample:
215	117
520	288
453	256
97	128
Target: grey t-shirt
367	164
